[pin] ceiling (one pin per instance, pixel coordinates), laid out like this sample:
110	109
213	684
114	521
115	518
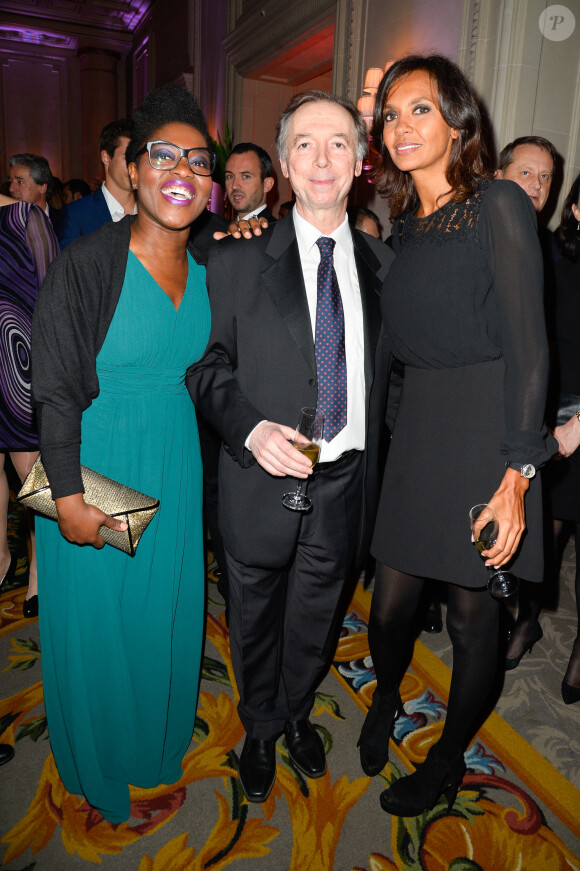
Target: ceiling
302	62
109	14
71	23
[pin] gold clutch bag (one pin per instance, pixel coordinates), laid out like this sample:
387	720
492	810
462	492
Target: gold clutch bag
117	500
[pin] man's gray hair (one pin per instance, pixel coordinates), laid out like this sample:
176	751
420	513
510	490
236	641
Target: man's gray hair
38	166
314	96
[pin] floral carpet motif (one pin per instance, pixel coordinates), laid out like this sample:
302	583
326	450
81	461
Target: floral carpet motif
514	811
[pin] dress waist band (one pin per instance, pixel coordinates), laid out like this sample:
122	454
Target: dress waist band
141	380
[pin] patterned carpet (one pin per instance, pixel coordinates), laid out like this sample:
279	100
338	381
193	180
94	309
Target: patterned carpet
518	808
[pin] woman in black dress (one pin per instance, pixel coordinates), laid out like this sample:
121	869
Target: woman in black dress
463	310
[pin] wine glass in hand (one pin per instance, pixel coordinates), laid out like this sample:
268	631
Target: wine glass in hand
485	530
307	439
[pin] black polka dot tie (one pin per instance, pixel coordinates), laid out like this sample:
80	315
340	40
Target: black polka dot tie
329	343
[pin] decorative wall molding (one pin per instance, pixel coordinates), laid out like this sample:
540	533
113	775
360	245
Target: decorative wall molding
37	37
273	27
470	25
118	15
572	156
348	48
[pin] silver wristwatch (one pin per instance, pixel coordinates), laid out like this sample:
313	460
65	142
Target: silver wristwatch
527	470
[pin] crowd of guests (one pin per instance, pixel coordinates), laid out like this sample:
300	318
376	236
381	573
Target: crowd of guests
441	333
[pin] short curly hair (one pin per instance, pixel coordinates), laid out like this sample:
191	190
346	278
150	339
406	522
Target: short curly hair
166	105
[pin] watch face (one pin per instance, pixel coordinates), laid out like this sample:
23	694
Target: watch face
528	471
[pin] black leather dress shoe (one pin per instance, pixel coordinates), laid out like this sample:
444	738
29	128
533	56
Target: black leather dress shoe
30	607
305	748
257	768
6	753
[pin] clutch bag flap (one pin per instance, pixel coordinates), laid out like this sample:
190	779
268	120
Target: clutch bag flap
115	499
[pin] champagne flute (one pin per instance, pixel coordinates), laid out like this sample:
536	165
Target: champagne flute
307	440
501	584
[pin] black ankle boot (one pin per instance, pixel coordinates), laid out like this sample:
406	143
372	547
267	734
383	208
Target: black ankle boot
376	731
420	791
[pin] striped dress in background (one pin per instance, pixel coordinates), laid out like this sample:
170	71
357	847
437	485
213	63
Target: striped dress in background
27	246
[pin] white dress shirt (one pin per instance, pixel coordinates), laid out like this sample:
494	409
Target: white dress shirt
353	434
253	214
115	208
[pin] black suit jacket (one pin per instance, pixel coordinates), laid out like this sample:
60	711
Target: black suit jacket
260	364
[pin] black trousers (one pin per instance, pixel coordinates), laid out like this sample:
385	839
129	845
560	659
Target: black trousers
283	622
210	443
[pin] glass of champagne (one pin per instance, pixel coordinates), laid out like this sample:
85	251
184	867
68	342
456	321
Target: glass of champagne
307	440
501	584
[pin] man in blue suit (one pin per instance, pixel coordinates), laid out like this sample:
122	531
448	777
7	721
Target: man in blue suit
114	199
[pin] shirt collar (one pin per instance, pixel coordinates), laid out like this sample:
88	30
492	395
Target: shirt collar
114	205
307	233
253	214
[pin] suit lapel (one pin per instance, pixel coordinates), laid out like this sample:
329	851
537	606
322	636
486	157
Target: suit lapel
284	281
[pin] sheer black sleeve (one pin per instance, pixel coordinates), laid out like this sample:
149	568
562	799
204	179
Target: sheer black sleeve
508	234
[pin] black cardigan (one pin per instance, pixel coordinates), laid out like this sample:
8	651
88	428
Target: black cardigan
74	310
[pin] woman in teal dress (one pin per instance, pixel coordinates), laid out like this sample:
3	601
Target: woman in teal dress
120	317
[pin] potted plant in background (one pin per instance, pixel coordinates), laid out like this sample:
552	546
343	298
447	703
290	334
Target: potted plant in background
223	149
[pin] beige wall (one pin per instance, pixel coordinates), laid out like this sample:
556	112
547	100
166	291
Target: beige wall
529	84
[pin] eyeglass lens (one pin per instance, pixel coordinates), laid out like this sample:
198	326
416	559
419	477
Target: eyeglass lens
164	155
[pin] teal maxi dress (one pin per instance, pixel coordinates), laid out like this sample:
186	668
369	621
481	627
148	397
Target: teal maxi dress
121	637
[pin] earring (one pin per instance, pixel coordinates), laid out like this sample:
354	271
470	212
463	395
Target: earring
578	227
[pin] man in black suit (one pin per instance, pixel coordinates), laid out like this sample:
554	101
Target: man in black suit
249	179
269	295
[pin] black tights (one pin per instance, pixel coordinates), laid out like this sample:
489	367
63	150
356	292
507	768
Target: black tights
473	626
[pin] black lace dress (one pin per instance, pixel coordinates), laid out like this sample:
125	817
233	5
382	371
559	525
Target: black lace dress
463	310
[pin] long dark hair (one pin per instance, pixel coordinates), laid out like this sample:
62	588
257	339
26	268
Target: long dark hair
567	232
469	159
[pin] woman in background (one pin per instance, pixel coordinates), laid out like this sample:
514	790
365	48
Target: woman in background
27	245
463	310
122	314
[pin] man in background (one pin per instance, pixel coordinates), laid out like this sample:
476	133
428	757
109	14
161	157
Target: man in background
74	189
364	220
114	199
530	162
31	179
249	179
